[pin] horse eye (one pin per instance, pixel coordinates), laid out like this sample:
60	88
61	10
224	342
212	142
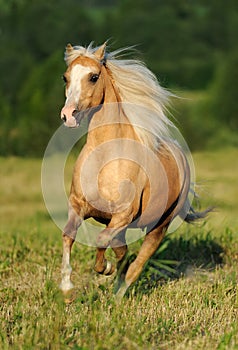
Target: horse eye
64	78
94	78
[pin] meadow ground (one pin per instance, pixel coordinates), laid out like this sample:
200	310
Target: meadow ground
195	308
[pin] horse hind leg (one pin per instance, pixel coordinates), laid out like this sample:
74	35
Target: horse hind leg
119	246
69	234
149	246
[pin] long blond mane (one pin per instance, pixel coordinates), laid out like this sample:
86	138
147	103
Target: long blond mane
144	100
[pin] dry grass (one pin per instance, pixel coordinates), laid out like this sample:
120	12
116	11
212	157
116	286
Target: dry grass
195	309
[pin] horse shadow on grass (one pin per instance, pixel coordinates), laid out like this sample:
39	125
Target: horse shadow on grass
185	256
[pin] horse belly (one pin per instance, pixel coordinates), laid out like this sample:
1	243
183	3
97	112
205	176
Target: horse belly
164	194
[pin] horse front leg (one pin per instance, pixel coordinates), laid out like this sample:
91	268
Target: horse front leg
113	235
66	269
69	234
102	265
118	245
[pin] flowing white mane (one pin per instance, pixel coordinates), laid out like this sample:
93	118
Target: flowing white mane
144	100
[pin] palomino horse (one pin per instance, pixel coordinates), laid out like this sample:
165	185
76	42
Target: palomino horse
130	171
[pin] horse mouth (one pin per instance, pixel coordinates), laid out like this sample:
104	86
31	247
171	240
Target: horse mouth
75	120
79	115
86	114
71	122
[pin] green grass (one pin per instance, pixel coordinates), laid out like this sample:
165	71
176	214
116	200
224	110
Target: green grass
195	308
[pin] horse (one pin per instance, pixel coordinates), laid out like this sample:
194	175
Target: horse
130	172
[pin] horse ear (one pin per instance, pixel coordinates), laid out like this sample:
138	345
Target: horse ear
100	52
69	49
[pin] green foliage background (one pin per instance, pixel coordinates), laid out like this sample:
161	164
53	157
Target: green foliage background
190	45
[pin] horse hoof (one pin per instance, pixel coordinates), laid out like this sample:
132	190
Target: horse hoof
109	268
69	296
106	270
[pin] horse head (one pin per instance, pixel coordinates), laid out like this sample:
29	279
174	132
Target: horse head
86	82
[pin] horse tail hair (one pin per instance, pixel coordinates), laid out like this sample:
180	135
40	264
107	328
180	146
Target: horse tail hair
190	215
194	215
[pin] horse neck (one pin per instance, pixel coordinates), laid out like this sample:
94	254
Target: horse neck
110	122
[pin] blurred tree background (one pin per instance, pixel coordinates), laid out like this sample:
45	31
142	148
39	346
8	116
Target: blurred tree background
191	45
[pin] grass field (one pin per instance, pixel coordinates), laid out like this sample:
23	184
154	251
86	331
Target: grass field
195	308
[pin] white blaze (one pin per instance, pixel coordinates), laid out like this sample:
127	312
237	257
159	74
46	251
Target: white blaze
74	90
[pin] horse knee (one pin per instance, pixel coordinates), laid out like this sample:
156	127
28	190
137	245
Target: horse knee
73	223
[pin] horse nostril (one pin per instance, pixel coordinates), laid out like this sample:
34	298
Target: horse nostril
75	112
64	118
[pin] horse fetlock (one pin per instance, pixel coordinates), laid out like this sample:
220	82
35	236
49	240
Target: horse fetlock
66	285
121	292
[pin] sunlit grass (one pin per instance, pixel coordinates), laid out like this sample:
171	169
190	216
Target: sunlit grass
216	175
196	308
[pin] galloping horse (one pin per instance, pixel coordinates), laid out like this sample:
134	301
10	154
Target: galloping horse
130	171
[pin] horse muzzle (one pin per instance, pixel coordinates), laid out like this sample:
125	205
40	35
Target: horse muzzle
70	122
70	116
73	118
